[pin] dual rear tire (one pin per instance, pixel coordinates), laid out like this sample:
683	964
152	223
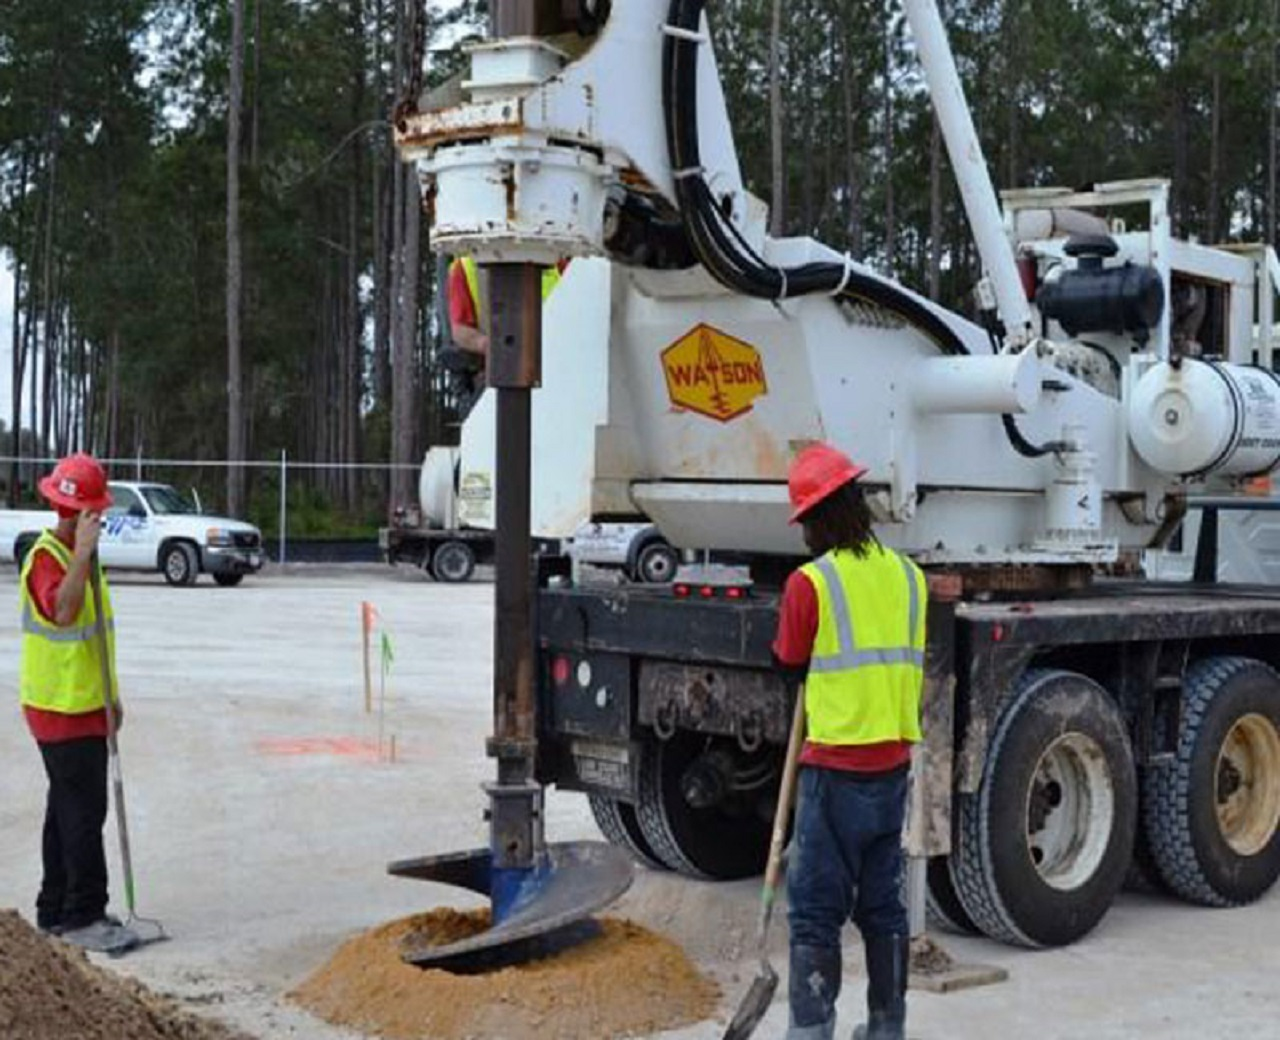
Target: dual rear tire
1059	821
716	838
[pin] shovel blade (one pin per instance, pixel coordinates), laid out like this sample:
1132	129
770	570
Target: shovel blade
754	1005
550	912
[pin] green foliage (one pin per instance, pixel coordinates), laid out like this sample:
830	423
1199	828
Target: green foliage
1064	92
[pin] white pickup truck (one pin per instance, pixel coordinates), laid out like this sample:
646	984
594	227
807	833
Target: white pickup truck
151	527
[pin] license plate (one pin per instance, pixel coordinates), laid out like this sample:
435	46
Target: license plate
255	560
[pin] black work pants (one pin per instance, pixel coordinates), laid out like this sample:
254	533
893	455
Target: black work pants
74	890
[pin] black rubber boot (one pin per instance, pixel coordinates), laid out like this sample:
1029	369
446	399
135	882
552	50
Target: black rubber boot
813	988
888	961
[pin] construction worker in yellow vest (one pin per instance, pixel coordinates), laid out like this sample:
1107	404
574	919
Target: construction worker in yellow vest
852	627
467	292
64	701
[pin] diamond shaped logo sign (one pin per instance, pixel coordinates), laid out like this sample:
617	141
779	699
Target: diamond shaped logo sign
713	374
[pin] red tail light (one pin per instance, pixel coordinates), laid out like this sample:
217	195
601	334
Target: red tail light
560	669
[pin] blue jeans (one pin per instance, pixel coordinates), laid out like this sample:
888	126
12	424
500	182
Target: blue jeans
846	862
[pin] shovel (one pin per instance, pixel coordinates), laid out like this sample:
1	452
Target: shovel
144	930
760	995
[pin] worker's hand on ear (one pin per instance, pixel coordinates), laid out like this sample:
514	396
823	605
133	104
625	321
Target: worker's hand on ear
88	528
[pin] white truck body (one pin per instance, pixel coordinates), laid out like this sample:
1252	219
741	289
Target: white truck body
451	529
151	527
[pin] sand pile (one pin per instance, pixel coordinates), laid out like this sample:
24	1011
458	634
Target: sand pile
50	991
627	982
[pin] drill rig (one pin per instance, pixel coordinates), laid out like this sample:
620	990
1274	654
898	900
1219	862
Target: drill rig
1028	460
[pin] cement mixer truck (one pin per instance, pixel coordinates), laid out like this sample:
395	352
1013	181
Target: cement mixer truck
1082	719
448	532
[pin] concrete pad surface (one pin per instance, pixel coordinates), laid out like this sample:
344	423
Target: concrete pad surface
262	821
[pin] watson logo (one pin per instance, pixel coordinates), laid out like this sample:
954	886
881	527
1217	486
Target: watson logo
713	374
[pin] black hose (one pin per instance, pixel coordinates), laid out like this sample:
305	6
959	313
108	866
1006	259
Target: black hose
1023	446
1110	358
718	243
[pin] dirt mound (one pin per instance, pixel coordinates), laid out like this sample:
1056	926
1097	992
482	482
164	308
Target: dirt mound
50	991
627	982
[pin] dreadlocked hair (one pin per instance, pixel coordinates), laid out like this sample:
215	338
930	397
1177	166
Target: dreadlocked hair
842	520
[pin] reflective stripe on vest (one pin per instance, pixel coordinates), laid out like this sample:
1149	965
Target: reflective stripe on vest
865	680
61	670
480	297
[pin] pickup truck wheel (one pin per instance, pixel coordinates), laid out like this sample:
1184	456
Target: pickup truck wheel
1212	815
228	581
453	563
180	564
617	822
1044	845
723	841
657	563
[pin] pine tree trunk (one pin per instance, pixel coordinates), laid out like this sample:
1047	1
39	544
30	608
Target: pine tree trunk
890	212
15	369
255	114
404	382
852	163
1012	77
352	337
113	398
777	214
381	212
31	350
1214	206
43	374
1273	84
235	379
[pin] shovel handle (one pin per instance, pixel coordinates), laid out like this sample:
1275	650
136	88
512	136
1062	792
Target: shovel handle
109	704
786	795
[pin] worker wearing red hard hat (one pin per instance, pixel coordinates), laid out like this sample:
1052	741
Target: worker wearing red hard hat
63	698
852	626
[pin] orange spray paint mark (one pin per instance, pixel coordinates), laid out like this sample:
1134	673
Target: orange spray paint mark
341	747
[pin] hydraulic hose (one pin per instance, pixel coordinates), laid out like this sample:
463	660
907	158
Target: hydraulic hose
718	243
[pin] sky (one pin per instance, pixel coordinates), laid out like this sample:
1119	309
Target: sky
6	345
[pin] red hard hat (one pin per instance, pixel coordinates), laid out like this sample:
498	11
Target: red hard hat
816	472
77	482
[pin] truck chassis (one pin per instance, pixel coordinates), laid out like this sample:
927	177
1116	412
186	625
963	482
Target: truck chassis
1124	730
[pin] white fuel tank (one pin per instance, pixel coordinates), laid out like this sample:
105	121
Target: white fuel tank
437	490
1206	417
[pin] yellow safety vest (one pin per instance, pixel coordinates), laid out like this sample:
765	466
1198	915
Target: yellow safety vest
61	668
480	296
866	672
